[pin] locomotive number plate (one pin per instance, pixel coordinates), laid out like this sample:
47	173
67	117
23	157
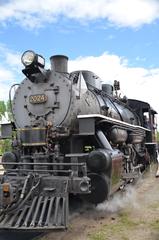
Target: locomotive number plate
38	98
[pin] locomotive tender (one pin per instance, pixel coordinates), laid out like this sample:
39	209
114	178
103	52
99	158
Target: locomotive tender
71	136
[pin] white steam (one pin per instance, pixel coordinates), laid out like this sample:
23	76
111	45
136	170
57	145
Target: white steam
119	201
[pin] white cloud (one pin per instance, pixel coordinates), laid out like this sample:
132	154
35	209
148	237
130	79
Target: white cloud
124	13
6	77
133	13
9	57
9	70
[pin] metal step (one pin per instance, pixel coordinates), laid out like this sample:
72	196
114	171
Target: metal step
44	212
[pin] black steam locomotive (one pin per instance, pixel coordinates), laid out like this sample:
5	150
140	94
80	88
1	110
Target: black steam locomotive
71	137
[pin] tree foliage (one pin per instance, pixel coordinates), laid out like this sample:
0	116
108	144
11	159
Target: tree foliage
5	145
2	109
5	110
9	111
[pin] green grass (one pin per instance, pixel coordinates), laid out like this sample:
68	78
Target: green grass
98	236
155	225
154	206
122	227
116	228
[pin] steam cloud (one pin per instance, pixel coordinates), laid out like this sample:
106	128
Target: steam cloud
119	201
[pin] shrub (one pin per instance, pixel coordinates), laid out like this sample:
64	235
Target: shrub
5	145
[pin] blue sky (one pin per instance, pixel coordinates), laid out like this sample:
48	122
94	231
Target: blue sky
117	39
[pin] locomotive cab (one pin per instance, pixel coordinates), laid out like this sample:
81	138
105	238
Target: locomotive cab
147	117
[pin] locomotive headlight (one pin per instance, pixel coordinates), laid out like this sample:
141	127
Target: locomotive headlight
28	58
34	67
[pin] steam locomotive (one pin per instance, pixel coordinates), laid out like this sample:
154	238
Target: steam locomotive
71	137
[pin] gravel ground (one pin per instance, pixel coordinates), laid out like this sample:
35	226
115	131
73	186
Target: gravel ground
131	215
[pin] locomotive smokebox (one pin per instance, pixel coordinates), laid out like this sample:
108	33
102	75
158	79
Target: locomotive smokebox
59	63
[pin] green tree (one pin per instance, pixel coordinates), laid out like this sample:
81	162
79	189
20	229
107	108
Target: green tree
2	109
5	144
5	107
9	111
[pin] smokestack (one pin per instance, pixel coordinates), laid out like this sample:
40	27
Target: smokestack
59	63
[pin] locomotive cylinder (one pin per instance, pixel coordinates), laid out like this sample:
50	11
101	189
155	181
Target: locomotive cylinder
99	160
